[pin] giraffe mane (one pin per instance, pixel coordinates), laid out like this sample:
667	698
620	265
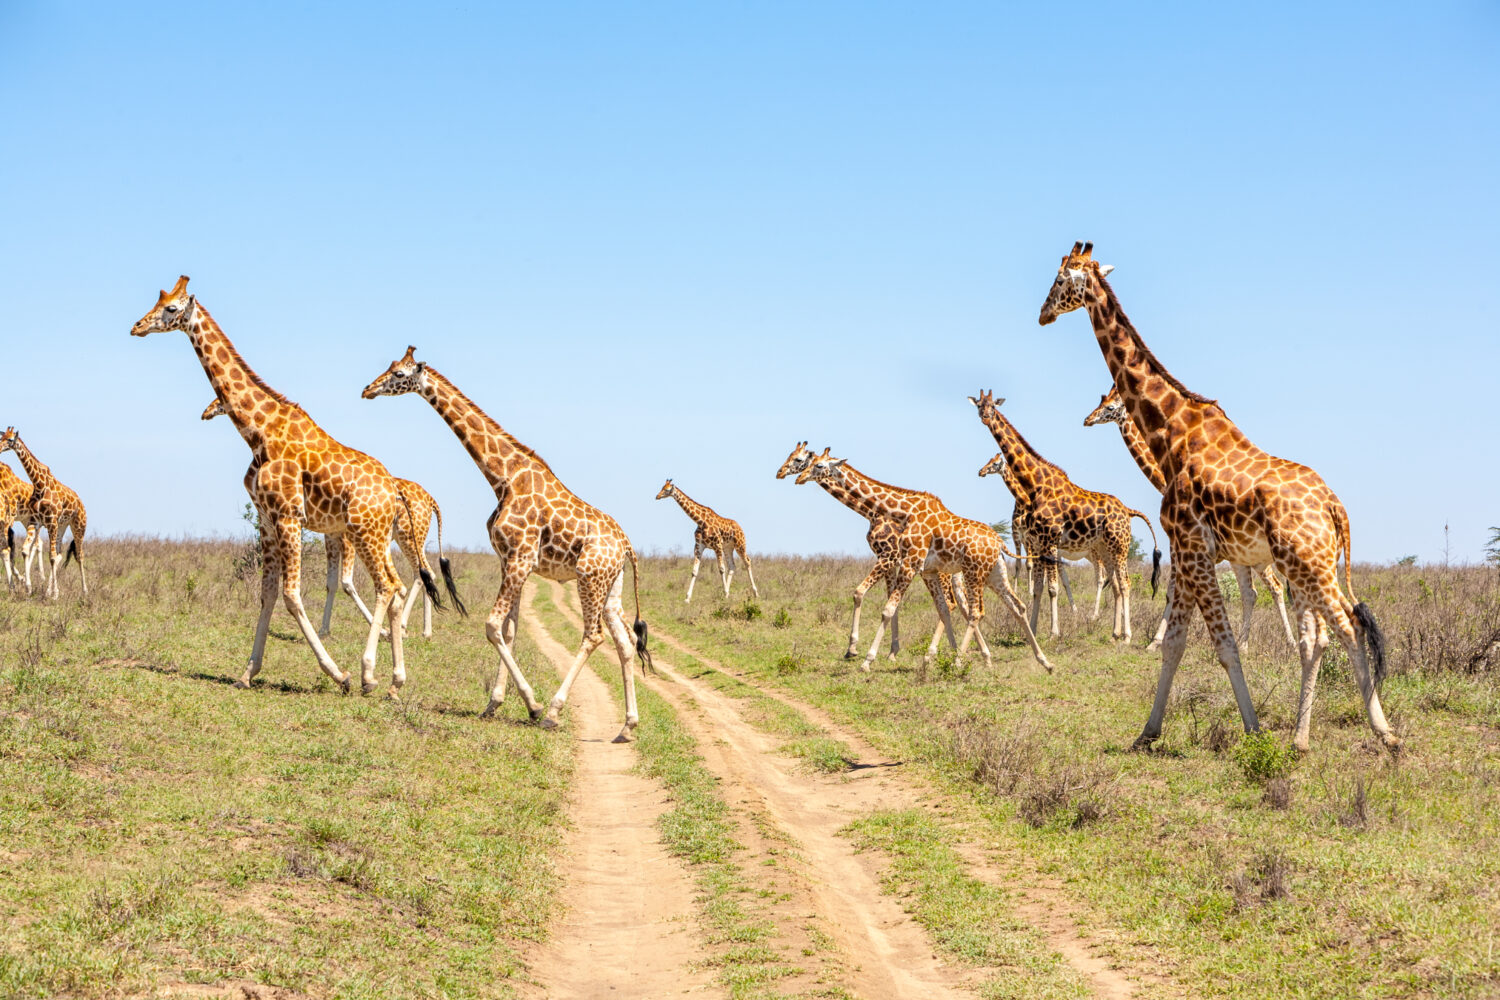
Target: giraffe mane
898	489
1151	358
259	382
1027	445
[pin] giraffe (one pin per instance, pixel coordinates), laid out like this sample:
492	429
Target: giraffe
1227	499
413	517
932	539
997	467
299	475
56	508
539	526
15	505
1111	409
882	539
1067	520
714	531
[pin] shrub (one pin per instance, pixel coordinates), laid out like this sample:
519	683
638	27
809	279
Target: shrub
1278	794
783	618
1263	757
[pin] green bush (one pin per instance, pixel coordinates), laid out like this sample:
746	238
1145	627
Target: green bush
1263	757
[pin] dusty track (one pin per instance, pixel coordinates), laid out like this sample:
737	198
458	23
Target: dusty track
629	927
887	956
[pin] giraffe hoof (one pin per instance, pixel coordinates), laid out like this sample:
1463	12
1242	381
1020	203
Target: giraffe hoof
535	713
242	684
1143	743
366	687
550	722
850	655
393	694
625	736
1046	664
1392	743
344	684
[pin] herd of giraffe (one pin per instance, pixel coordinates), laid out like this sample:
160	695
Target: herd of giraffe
1223	499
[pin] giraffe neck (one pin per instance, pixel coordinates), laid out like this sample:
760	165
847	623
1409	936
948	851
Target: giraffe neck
875	498
1161	407
35	470
248	400
1029	468
1135	441
1013	483
695	510
498	454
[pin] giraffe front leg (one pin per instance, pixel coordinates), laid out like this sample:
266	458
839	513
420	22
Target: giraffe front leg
1246	587
750	574
517	569
372	543
903	580
1100	579
1000	584
1161	628
729	578
693	579
288	533
1174	644
945	618
1199	582
859	599
11	574
724	571
270	583
29	552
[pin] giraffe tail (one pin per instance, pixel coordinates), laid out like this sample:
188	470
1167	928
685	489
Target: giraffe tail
446	566
72	552
641	634
10	542
1155	549
1371	638
425	574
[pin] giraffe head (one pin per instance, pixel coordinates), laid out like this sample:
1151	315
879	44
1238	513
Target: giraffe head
994	466
1111	410
173	311
9	439
1068	290
214	409
667	489
822	468
406	374
796	461
987	404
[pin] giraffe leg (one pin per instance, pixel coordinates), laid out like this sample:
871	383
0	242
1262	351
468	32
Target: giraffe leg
346	579
1174	644
750	572
54	559
614	622
374	548
1246	586
859	599
29	551
288	536
973	612
591	599
724	571
517	569
10	572
697	561
1313	642
903	580
895	625
83	573
945	619
1269	575
1054	571
1336	611
729	578
1000	584
270	583
333	547
1101	577
1062	576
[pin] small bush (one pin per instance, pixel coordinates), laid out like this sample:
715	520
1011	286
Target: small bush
1263	757
790	663
750	611
1220	736
783	618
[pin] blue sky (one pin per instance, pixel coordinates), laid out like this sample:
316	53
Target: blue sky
672	239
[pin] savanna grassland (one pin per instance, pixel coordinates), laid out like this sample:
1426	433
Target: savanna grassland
164	834
1223	863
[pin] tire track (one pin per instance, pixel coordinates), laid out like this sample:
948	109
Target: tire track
888	955
628	928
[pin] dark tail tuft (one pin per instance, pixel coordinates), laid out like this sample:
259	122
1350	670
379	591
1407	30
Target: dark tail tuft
72	551
1373	640
430	585
647	667
447	568
1155	569
10	543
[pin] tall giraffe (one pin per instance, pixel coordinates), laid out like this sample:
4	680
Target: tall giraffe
713	531
15	505
300	476
1066	520
540	526
883	538
56	508
1227	499
932	539
1111	409
996	467
413	517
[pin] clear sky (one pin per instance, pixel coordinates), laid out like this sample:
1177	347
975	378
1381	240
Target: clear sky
672	239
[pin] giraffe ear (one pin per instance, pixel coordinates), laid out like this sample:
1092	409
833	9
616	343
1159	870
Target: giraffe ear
1105	269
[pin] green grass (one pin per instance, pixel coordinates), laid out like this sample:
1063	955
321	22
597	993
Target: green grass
1174	856
160	829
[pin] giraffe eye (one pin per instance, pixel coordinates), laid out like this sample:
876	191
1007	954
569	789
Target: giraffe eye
171	309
